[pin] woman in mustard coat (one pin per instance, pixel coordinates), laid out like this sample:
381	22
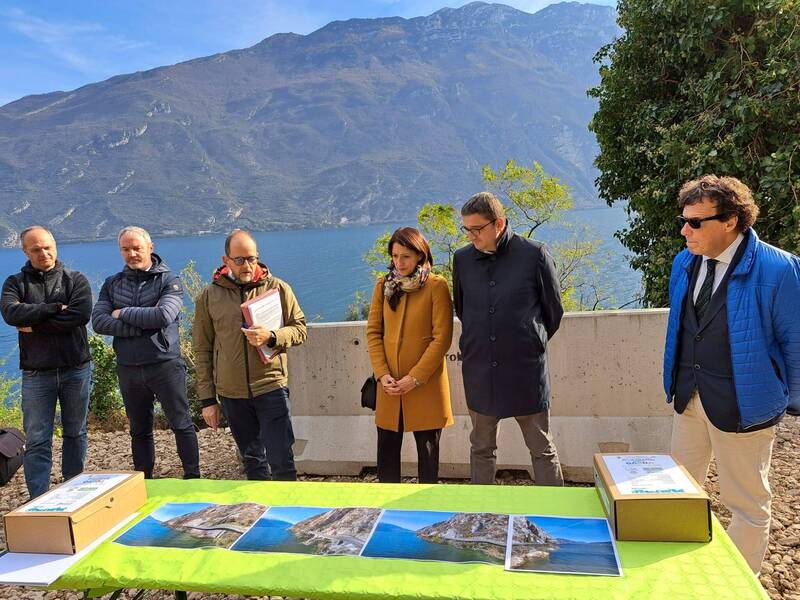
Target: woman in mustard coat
409	330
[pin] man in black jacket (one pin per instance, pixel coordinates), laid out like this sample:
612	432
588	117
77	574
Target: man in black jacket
50	306
506	294
140	307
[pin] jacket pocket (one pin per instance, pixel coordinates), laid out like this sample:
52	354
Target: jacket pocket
160	341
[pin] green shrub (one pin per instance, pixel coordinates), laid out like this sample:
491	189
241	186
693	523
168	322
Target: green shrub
10	402
105	401
193	284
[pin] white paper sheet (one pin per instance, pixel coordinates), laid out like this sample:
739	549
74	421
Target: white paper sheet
265	310
22	568
76	492
648	474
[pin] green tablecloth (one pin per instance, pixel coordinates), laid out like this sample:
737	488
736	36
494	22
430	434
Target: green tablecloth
651	570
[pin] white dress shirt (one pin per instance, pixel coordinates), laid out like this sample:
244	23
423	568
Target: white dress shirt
723	262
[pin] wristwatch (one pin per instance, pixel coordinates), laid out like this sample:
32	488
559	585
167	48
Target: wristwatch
416	381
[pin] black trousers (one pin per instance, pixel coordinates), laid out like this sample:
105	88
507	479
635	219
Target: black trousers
391	442
166	382
262	430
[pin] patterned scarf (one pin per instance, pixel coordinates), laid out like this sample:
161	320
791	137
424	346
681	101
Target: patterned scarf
394	284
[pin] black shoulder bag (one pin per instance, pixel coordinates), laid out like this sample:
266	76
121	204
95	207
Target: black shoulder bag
12	448
369	393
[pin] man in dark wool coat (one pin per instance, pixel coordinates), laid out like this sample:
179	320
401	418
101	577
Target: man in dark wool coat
506	293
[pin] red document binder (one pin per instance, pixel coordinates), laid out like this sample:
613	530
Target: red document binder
265	353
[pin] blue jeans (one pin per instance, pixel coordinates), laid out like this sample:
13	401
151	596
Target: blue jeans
265	419
41	390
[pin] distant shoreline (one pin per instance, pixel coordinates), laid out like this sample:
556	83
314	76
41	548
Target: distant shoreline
166	235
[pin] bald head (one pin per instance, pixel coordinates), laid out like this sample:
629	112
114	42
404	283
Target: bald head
241	255
39	246
236	233
33	228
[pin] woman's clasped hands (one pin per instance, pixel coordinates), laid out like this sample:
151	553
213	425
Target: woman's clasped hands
397	387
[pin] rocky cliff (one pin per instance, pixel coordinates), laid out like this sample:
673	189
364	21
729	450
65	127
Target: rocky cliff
337	531
223	523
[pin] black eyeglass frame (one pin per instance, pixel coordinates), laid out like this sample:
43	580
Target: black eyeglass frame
239	260
476	230
697	222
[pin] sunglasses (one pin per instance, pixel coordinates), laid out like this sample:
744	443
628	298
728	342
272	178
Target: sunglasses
475	230
697	222
239	260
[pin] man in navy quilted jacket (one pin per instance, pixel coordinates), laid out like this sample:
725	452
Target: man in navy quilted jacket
140	306
732	356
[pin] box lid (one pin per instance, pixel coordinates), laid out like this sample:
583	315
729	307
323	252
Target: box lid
633	475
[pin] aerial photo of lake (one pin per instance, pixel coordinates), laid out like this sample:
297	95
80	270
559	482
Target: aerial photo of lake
271	532
193	525
581	546
401	534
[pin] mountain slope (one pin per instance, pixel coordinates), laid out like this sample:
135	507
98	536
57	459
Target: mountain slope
361	121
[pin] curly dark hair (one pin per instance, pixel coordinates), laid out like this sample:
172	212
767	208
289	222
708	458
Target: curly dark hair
730	195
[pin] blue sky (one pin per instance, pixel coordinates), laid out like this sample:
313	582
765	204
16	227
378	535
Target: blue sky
177	509
580	530
53	45
289	514
414	519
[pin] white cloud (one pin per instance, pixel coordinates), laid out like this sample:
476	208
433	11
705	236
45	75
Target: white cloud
79	45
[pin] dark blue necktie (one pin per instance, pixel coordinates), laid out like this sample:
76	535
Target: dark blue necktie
704	297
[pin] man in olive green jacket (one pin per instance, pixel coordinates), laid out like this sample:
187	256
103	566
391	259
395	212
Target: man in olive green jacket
254	394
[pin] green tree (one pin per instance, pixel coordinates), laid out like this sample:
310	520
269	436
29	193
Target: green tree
358	309
694	87
532	198
440	224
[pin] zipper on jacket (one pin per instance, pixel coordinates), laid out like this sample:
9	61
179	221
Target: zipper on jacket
244	346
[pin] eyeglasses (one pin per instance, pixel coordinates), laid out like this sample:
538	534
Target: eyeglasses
475	230
239	260
697	222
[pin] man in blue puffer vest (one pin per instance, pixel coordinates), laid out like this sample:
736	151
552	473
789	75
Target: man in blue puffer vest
732	356
140	307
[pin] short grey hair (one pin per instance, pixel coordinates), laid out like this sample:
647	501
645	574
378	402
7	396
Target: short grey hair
142	233
27	230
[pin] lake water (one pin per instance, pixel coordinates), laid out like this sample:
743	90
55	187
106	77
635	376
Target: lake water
391	541
325	267
597	557
151	532
273	535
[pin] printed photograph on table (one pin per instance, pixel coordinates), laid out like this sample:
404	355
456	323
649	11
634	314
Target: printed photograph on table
311	530
193	525
440	536
574	545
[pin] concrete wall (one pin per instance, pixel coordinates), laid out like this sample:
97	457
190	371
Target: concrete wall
607	396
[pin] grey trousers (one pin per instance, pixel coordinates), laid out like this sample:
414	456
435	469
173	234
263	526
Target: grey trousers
536	433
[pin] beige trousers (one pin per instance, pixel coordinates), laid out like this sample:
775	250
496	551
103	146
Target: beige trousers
743	468
536	433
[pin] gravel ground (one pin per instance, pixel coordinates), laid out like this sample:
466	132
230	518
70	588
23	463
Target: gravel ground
780	574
